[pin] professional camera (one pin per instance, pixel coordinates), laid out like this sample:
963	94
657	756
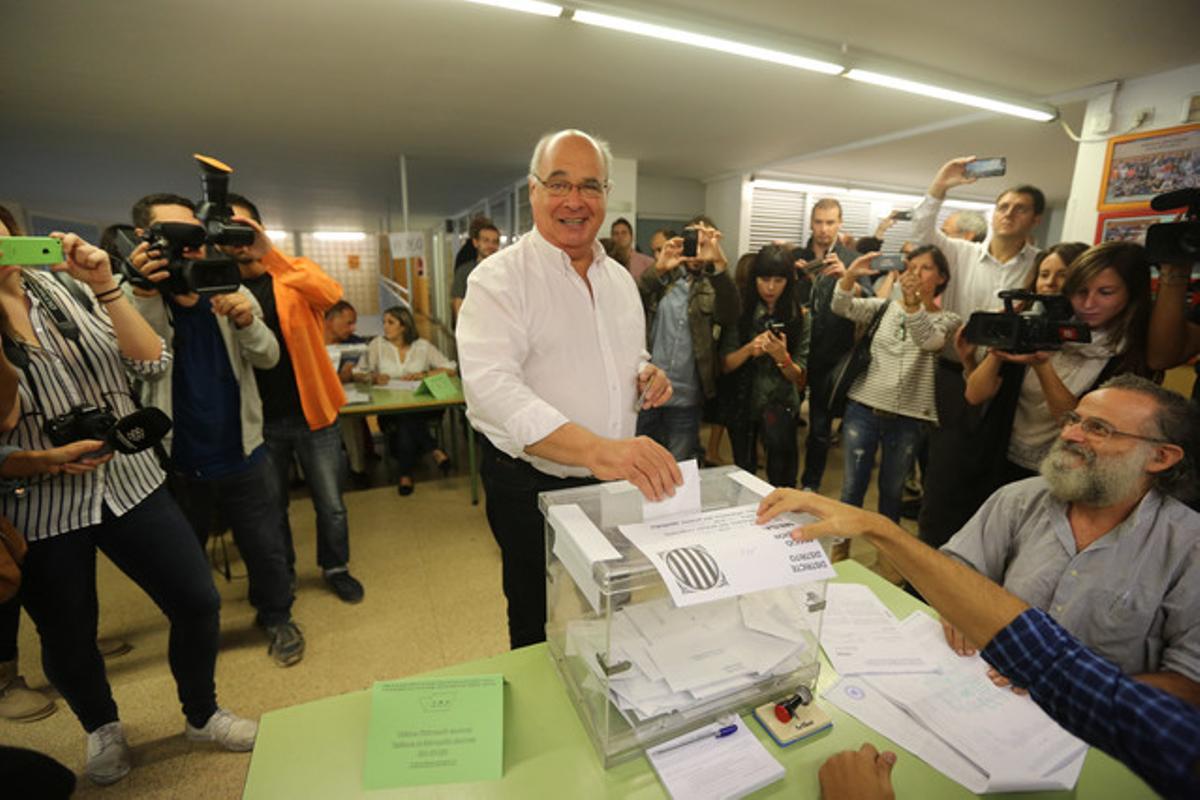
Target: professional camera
81	422
1175	242
216	273
1046	325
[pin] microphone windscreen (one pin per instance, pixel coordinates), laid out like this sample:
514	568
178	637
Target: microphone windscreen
1175	199
139	431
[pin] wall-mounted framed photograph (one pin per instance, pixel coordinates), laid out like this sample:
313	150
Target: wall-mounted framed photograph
1129	226
1141	165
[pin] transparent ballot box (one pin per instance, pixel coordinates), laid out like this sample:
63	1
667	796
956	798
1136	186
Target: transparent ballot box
641	669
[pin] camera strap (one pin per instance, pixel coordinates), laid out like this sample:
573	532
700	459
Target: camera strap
67	328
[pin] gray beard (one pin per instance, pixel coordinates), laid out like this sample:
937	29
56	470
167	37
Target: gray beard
1095	482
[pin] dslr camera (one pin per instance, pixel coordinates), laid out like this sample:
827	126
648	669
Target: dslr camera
215	273
81	422
1175	242
1045	325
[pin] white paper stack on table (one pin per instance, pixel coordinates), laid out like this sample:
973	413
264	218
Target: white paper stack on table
697	766
982	736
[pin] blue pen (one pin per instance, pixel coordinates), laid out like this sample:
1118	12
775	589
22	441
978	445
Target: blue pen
698	736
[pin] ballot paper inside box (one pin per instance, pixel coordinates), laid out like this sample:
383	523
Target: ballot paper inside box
641	669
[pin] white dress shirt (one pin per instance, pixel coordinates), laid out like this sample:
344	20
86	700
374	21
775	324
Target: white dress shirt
422	356
538	350
976	276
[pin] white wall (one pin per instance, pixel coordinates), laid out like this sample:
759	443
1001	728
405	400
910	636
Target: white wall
669	198
1165	93
622	200
727	203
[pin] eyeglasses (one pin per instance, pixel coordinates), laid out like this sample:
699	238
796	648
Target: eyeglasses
1099	429
590	189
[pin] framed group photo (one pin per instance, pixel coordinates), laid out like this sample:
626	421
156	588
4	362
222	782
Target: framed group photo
1140	166
1129	226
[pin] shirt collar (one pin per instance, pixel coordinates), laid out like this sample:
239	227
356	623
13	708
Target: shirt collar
540	244
1024	254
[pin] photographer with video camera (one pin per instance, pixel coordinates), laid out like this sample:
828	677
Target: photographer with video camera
1175	248
220	466
1108	287
767	351
72	384
891	404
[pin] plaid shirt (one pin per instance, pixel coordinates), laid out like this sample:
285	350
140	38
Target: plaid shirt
1154	733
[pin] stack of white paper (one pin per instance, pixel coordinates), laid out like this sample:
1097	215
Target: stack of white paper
663	659
861	636
984	737
715	769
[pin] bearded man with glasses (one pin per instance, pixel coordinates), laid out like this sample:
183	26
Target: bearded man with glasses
552	346
1101	540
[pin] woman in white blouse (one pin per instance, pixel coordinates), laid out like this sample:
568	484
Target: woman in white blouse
401	353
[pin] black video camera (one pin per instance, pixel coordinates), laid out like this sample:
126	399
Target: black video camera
81	422
216	273
1175	242
1046	325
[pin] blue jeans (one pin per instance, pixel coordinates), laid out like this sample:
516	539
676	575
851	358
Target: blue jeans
154	546
676	428
864	430
820	428
247	501
321	458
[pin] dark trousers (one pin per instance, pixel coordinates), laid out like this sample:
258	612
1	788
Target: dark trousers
10	621
153	544
29	774
676	428
321	458
408	438
512	487
249	503
820	427
959	477
777	427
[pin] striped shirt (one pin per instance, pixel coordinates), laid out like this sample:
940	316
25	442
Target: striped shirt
904	355
63	379
1152	732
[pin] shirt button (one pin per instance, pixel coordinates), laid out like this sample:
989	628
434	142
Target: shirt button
1074	573
1058	608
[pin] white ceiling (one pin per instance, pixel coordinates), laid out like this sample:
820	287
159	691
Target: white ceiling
313	102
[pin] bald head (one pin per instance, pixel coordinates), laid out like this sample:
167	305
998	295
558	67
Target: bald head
551	140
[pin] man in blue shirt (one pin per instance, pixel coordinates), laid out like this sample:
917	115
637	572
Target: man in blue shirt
220	470
1154	733
688	301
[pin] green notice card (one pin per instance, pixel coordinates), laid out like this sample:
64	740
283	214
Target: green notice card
439	385
435	730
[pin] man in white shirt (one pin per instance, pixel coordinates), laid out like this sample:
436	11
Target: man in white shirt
954	479
552	346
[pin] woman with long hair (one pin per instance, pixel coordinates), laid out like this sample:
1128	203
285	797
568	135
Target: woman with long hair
767	351
1108	286
401	353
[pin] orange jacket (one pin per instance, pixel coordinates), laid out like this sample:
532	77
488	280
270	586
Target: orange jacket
303	292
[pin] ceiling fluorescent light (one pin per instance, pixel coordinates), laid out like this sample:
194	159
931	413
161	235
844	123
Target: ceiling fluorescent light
928	90
339	236
528	6
707	42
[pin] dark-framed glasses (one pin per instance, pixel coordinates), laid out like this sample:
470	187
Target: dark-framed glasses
1099	429
591	189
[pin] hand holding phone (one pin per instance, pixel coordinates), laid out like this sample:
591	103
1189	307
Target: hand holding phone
986	167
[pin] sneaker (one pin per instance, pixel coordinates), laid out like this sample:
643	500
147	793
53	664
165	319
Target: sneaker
226	729
107	754
287	643
345	586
